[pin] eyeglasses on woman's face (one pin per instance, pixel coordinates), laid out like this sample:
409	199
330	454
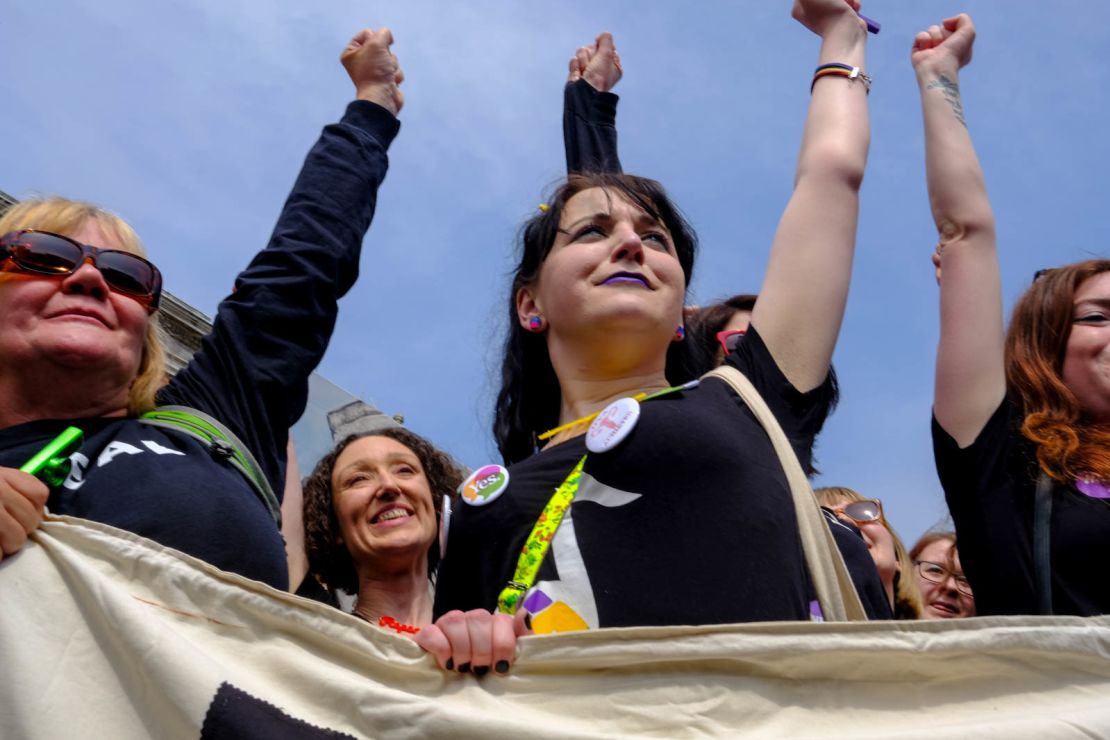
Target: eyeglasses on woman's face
937	573
54	255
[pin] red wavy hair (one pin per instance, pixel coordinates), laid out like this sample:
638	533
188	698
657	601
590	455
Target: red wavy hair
1069	444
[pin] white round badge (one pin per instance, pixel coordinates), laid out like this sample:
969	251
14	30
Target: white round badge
484	485
612	425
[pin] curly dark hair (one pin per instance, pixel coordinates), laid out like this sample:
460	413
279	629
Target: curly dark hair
328	560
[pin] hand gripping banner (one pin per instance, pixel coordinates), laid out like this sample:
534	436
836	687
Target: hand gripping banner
104	634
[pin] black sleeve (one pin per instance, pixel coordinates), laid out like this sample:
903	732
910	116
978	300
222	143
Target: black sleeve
861	567
590	129
252	370
989	486
966	473
801	415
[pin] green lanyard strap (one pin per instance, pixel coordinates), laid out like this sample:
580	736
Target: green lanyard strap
539	541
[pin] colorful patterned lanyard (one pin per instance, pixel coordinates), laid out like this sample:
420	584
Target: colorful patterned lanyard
539	540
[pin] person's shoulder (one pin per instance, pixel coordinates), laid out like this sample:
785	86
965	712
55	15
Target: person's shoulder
1001	431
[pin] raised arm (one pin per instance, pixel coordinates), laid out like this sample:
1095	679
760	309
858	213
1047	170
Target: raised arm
971	378
590	109
801	303
374	69
252	370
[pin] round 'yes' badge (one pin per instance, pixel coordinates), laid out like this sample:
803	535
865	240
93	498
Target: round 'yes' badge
615	422
484	485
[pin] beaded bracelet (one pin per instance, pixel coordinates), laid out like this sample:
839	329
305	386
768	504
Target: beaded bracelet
841	70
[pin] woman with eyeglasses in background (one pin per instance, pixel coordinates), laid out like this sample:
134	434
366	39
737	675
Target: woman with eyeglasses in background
945	592
1021	426
79	347
866	516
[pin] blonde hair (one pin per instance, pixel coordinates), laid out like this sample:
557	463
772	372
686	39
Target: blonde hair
907	598
65	216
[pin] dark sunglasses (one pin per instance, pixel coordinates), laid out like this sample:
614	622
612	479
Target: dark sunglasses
729	339
868	510
44	253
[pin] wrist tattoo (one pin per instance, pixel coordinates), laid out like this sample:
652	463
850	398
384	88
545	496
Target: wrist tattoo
951	92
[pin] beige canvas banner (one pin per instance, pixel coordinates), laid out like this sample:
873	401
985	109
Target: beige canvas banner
106	635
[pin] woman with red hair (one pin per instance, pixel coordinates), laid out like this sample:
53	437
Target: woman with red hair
1022	420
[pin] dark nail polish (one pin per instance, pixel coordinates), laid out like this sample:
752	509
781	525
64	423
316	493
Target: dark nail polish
502	666
481	670
528	621
464	668
450	664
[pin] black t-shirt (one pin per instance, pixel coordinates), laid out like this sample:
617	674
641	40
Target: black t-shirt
990	487
688	521
251	373
165	486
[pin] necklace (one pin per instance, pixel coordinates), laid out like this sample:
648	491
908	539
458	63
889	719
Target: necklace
642	396
1092	488
387	622
393	624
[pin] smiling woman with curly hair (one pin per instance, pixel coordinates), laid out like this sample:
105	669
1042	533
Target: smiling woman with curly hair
371	511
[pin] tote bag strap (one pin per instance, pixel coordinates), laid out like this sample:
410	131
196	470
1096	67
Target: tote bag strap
835	590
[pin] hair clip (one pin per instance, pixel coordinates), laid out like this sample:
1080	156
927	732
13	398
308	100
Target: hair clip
544	208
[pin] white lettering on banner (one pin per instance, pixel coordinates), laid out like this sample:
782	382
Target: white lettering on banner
158	449
77	465
115	449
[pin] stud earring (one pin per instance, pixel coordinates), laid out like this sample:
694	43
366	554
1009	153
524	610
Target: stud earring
680	333
536	323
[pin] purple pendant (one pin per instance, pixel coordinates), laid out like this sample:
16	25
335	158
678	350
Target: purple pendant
1093	488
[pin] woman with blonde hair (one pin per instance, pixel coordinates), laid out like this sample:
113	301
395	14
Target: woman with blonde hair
79	348
1021	426
866	516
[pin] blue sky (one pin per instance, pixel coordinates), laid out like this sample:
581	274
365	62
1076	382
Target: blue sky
191	120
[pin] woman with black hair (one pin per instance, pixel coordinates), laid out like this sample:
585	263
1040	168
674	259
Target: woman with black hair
681	513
